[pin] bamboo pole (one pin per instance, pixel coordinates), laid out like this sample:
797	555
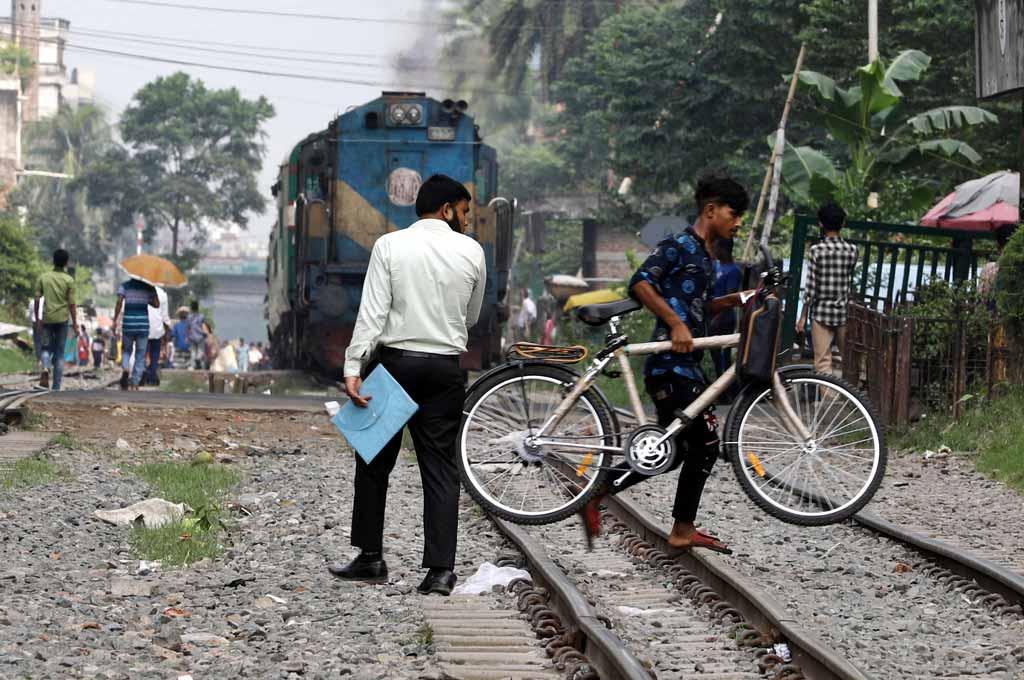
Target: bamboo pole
776	159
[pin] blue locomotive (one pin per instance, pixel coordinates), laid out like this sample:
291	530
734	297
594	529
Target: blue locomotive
342	188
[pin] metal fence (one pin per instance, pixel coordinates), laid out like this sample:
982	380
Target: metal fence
910	366
894	259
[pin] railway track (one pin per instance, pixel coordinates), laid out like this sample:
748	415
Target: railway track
629	598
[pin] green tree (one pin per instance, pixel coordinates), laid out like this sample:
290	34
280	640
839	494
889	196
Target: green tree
664	92
943	29
520	30
20	266
60	210
197	151
14	59
867	119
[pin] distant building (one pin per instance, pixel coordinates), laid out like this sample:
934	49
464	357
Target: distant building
45	89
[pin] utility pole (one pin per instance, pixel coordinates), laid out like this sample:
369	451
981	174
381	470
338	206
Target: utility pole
872	30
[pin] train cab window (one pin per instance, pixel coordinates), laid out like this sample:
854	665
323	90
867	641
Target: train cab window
484	181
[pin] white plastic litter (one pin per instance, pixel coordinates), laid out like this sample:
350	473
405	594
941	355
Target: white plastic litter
147	567
781	650
486	577
154	512
633	611
123	445
332	408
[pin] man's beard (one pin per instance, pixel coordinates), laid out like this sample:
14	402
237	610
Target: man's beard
455	224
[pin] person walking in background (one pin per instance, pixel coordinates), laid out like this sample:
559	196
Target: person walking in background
990	272
159	327
527	316
98	347
197	332
830	265
256	357
58	289
243	356
179	338
727	281
83	349
423	292
134	298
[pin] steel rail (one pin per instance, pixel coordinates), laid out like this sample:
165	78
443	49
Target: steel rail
990	575
811	653
609	655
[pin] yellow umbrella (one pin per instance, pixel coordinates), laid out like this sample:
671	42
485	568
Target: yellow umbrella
154	270
593	297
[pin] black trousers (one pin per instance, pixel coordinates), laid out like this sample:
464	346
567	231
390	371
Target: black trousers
437	386
696	445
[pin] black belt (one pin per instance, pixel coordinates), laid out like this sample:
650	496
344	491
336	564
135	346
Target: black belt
409	354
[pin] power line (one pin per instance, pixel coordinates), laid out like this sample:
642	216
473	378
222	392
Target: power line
328	17
196	46
281	74
276	13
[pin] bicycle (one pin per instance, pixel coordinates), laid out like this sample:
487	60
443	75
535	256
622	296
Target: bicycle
538	439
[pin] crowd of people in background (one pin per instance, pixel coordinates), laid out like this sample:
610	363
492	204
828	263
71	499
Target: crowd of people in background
142	339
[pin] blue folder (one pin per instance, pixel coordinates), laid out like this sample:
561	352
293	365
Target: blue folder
369	429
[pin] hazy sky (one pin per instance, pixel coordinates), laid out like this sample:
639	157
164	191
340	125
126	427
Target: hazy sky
301	106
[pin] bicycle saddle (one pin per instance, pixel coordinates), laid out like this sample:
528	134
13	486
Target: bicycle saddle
598	315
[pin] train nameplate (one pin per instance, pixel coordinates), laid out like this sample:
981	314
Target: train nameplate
441	134
403	185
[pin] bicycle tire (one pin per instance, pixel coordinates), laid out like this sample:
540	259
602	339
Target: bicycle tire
743	408
482	389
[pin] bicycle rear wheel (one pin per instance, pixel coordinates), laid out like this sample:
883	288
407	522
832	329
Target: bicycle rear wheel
516	479
823	481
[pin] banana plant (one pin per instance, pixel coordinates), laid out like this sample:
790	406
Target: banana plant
866	119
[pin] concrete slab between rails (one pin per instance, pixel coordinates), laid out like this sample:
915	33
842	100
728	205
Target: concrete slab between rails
989	575
603	649
815	657
183	400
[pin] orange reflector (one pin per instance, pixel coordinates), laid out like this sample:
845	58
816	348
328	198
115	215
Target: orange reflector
756	463
587	459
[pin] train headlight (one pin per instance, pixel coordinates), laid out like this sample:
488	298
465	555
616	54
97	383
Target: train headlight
405	114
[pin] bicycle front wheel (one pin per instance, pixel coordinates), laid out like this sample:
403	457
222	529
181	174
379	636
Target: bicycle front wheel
524	480
821	481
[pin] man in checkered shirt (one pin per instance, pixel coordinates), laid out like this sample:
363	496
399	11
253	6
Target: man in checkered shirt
830	271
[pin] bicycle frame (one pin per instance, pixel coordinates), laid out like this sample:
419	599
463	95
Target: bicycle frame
690	413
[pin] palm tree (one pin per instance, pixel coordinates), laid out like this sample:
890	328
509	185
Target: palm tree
524	34
57	208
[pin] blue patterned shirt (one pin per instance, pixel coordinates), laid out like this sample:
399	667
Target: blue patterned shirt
682	272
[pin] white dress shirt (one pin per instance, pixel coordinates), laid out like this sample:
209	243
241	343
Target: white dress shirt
423	291
158	317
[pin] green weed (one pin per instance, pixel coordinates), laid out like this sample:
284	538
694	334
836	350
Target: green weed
424	636
15	361
195	537
66	441
29	472
990	428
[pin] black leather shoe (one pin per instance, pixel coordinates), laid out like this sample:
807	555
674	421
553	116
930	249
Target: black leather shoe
369	567
440	581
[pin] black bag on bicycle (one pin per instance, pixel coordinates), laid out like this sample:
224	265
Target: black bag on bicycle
759	337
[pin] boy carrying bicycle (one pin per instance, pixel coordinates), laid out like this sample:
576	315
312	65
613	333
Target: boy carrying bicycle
675	284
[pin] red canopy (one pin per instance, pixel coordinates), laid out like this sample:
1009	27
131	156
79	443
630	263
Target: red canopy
984	220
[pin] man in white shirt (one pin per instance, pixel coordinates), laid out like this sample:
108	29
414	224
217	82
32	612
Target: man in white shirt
423	292
159	328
